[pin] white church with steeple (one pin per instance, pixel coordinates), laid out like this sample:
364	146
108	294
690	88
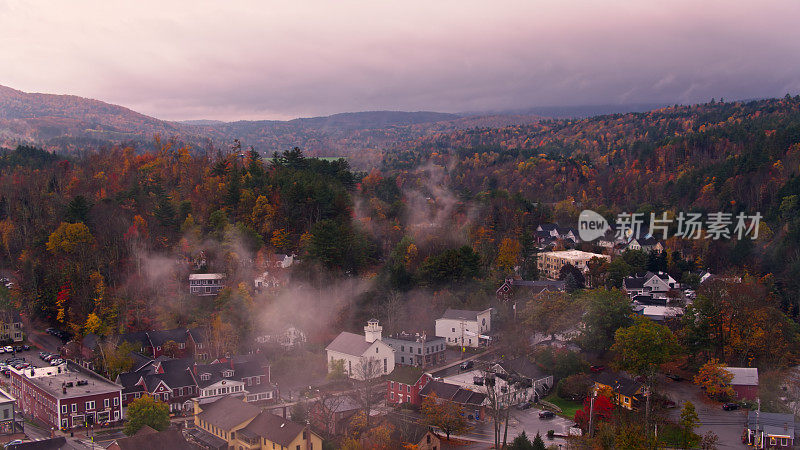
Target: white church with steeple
365	357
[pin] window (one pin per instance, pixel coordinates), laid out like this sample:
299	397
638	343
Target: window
116	401
63	409
402	359
402	348
376	349
258	380
453	330
391	385
75	406
384	365
408	398
106	402
408	388
90	405
772	440
419	350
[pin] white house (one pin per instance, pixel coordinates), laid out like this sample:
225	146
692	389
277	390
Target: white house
467	328
206	283
364	357
656	284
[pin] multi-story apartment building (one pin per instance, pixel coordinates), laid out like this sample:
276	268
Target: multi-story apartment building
67	395
550	263
417	349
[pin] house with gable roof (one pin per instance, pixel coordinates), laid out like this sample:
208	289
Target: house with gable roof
364	356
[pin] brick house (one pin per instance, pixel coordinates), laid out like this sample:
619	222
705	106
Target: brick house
404	384
67	395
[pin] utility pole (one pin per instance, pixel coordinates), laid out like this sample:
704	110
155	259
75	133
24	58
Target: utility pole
463	323
759	435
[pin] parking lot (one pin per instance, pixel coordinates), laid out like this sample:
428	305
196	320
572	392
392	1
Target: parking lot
20	358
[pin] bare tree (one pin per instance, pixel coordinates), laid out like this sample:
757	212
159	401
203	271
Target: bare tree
325	411
498	396
366	387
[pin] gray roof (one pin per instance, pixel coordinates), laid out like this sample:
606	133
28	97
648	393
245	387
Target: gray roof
524	367
453	393
44	444
349	344
227	412
456	314
274	428
153	440
618	382
743	376
773	424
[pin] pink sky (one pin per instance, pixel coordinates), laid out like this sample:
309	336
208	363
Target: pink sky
280	59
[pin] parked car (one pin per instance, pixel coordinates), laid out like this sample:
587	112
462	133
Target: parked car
56	362
26	347
13	443
730	406
597	368
9	349
546	414
43	354
523	406
674	377
466	365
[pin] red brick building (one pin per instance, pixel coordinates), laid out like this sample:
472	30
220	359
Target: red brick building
67	395
404	384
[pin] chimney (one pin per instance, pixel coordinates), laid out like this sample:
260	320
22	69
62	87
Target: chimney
372	332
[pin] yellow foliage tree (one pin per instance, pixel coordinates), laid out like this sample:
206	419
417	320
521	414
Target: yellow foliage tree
70	238
715	379
508	255
93	323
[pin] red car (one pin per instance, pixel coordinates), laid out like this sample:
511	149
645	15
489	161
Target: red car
597	369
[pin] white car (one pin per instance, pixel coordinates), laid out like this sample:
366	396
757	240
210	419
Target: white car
9	349
2	350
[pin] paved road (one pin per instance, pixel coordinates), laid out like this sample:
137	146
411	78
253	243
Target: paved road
728	425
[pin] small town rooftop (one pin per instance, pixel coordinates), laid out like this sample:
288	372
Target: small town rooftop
67	380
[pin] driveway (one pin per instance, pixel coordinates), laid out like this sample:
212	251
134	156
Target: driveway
728	425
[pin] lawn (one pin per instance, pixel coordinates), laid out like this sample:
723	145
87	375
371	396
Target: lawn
672	435
568	407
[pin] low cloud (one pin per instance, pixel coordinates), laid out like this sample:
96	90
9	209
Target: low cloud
259	60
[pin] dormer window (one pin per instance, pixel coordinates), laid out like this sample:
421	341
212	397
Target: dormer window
227	373
205	376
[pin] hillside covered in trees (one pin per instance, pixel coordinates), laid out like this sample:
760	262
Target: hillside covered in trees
103	241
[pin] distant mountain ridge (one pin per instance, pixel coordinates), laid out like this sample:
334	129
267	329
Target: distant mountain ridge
73	123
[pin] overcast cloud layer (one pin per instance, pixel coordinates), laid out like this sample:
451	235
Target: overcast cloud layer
282	59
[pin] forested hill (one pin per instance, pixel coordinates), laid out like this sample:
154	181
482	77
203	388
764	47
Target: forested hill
68	123
719	156
709	156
